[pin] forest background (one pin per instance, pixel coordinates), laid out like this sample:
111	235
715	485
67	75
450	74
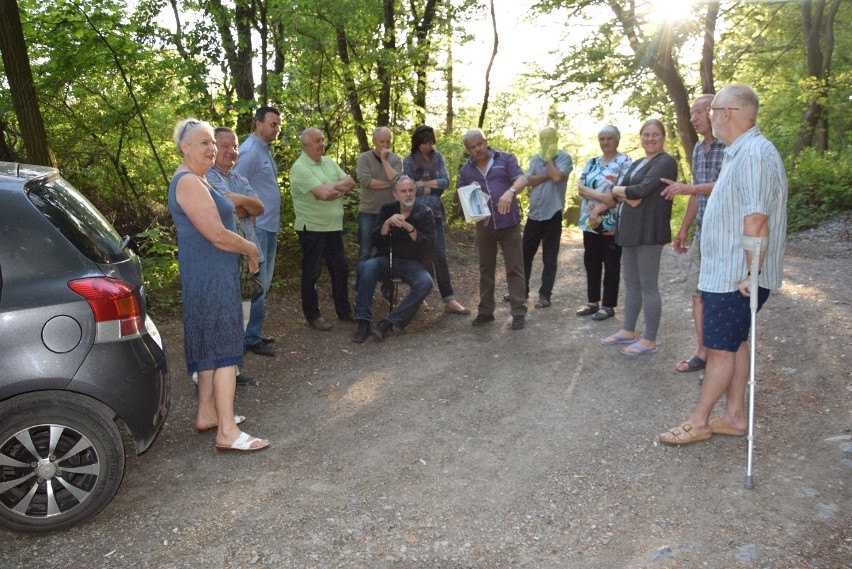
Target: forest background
95	87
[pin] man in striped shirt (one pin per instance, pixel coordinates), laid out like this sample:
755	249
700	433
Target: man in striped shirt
749	202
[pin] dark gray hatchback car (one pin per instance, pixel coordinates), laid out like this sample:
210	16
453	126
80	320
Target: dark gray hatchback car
79	356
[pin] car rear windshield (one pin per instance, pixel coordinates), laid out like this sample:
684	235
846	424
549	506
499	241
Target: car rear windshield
78	220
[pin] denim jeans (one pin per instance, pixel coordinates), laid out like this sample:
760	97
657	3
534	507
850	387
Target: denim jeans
366	224
319	246
268	241
412	273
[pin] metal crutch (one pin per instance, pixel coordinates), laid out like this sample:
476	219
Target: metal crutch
752	291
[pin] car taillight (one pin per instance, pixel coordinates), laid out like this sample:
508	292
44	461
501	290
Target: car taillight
115	305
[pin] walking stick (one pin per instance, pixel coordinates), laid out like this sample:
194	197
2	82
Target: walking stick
752	291
390	271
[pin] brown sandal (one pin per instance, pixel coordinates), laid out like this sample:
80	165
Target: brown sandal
720	427
684	435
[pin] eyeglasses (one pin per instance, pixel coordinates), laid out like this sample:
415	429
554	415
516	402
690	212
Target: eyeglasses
192	124
723	109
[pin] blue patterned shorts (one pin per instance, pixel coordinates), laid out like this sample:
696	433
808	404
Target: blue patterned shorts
727	318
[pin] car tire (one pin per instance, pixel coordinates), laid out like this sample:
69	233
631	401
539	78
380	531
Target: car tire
66	454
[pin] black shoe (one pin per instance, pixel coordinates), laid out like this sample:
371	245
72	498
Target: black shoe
588	309
518	322
382	329
361	333
261	349
267	340
482	319
243	379
604	313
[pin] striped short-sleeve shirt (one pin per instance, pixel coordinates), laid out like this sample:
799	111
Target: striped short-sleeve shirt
706	163
752	180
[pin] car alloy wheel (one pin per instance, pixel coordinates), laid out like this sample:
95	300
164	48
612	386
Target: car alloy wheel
61	462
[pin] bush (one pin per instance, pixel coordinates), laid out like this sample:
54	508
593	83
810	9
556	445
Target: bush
158	252
820	187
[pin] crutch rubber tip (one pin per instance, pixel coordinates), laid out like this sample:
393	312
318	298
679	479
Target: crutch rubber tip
749	482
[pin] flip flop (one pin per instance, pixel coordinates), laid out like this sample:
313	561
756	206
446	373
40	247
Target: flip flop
615	340
237	419
638	350
684	435
694	364
243	443
720	427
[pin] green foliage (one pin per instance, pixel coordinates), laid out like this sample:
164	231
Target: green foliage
113	78
819	187
158	253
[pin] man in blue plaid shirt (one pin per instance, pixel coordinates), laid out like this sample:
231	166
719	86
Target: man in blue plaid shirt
706	163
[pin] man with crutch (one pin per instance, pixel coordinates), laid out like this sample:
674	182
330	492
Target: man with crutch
747	209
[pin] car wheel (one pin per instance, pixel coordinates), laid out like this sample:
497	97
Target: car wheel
61	461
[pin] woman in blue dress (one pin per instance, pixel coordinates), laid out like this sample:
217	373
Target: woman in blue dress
208	257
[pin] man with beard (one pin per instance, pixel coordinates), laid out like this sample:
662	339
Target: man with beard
405	238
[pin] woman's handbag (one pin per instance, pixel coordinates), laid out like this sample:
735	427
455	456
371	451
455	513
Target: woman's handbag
250	285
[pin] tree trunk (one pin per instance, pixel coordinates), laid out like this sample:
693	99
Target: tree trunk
818	29
488	71
423	50
388	53
662	64
708	49
351	89
20	76
261	25
451	90
237	55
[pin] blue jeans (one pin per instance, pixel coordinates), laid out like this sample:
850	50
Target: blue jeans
412	273
268	241
366	224
319	246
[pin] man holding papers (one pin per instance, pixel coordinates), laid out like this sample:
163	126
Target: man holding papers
498	175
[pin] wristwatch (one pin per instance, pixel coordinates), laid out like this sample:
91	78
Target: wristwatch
411	230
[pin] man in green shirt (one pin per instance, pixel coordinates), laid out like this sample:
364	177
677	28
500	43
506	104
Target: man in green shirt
316	184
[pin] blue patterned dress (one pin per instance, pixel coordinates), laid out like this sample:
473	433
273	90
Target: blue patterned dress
209	278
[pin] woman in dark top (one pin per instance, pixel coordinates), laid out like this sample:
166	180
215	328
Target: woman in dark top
644	228
426	166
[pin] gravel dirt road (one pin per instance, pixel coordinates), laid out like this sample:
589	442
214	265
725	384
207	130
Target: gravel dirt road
452	446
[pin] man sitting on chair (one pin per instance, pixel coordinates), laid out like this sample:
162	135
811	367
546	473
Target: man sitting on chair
404	237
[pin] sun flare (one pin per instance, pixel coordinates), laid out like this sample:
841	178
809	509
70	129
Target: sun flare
670	10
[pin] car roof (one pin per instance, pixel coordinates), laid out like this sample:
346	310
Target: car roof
26	171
